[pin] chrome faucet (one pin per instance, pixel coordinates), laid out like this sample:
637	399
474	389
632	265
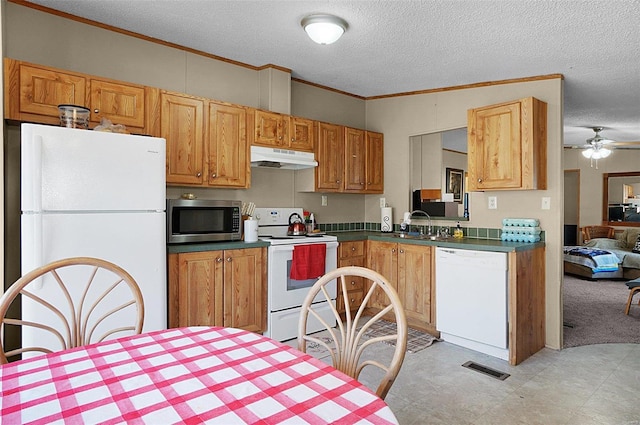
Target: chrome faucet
426	214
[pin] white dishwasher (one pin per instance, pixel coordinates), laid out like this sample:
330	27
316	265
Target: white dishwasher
471	300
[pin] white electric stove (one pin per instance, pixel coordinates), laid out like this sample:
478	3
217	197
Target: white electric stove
285	295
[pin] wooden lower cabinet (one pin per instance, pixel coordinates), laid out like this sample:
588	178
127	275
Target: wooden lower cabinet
218	288
409	269
351	254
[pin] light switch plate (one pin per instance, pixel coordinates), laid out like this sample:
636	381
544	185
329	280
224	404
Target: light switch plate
493	202
383	202
324	200
546	203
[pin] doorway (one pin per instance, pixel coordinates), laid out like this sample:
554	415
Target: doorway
571	207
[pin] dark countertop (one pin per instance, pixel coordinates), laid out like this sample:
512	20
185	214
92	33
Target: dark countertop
213	246
464	243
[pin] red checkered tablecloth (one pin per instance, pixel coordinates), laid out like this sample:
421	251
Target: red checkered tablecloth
185	375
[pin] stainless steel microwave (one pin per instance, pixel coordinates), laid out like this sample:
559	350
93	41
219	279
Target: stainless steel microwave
203	220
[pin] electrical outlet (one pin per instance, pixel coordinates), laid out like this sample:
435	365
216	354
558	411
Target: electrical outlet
493	202
325	202
383	202
546	203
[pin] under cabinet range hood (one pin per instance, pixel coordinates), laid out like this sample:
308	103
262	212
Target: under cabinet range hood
283	159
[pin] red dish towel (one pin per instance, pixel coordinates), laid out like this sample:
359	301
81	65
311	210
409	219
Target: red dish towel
308	261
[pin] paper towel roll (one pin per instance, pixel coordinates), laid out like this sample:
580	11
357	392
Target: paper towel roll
251	230
386	219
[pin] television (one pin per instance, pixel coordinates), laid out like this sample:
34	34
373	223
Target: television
616	213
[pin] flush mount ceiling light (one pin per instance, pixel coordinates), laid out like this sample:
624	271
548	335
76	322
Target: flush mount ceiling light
324	29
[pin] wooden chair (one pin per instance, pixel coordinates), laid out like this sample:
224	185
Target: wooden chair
634	288
84	295
592	232
347	338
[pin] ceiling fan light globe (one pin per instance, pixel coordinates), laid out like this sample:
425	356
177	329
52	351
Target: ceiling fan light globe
587	153
604	152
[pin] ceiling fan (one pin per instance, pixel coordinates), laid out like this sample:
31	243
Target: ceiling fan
598	147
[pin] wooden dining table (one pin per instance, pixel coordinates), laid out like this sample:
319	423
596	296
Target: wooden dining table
185	375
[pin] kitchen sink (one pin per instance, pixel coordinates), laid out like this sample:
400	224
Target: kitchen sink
418	236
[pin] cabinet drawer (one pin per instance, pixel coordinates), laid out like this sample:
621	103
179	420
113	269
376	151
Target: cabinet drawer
351	249
355	299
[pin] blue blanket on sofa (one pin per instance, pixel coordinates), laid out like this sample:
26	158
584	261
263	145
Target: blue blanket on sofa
598	260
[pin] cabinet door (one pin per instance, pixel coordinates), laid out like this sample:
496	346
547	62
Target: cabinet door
375	162
270	129
355	160
383	258
330	155
495	153
228	155
351	254
200	289
42	90
244	289
182	125
120	103
301	131
414	282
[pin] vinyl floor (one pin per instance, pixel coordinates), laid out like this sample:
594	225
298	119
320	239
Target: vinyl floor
586	385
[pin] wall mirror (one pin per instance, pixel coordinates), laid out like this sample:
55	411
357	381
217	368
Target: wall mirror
439	161
621	198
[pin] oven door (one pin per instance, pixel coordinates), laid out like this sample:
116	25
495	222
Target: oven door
285	292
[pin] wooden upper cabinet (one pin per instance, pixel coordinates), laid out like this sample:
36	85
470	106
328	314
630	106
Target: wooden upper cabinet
508	146
33	91
228	149
182	125
329	174
355	156
271	129
302	134
375	162
117	102
364	161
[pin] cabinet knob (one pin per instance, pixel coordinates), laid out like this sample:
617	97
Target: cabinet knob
402	251
353	248
361	184
353	283
95	111
228	259
198	174
479	180
293	139
338	181
279	137
219	260
393	250
213	176
353	300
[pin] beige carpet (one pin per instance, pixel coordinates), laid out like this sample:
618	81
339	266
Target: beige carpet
593	312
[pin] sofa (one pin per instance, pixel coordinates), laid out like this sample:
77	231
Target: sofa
621	245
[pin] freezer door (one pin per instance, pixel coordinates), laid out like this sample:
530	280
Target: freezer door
65	169
134	241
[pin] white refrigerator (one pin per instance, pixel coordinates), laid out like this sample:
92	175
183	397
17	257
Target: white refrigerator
94	194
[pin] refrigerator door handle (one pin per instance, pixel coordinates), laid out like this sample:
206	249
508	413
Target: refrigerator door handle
32	180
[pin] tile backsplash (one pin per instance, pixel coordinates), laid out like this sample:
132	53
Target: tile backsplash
469	232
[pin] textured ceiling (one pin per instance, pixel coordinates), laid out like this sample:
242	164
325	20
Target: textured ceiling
402	46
